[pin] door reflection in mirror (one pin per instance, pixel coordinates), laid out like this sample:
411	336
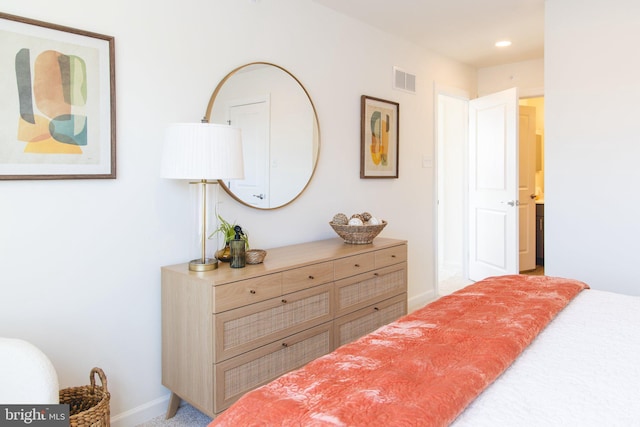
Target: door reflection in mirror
280	134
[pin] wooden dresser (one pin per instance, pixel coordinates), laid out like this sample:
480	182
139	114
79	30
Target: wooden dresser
227	331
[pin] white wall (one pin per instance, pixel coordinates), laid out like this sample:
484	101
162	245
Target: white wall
592	149
79	260
527	76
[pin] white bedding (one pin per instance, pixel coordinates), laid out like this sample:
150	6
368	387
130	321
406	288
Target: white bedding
582	370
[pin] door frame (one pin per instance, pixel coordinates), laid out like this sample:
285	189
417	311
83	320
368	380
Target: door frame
451	92
527	186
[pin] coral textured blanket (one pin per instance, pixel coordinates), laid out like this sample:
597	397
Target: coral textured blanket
421	370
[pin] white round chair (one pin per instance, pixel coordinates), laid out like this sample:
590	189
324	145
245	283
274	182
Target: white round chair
27	376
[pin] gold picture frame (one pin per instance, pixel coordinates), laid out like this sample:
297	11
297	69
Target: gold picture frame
379	145
57	112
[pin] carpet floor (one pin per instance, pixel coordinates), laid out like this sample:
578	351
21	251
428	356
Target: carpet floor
187	416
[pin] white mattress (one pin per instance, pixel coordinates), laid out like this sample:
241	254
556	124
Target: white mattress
582	370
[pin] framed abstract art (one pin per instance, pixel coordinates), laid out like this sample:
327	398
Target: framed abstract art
57	110
379	138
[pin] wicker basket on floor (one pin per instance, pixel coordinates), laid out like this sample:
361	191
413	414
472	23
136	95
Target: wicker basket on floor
88	405
358	234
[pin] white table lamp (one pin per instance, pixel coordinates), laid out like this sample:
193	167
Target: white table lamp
203	153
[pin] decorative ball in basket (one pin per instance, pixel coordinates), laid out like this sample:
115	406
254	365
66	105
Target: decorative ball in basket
360	229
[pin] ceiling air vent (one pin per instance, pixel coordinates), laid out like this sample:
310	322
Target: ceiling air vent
403	80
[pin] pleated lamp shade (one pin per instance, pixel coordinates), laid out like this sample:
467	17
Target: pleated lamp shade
200	151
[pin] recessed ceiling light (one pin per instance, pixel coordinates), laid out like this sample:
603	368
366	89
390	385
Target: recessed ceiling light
503	43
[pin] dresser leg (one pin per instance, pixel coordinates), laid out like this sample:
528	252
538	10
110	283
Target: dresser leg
174	402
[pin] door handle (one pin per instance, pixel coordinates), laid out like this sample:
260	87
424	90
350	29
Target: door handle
259	196
533	196
511	202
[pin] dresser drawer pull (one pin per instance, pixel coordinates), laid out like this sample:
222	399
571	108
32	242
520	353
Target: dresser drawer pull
393	256
284	301
252	291
356	265
311	277
376	309
284	344
376	274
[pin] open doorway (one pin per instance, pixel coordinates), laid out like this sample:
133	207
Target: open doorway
452	189
538	104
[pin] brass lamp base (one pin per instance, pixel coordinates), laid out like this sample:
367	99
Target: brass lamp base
200	264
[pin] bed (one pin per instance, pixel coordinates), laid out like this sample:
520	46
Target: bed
509	350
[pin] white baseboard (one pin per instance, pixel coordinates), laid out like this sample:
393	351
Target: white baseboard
142	413
419	301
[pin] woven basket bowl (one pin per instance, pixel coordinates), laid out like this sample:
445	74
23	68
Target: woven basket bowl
255	256
358	234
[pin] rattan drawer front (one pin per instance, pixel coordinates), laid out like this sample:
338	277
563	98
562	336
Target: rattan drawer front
245	292
236	376
362	290
390	256
349	266
306	277
246	328
355	325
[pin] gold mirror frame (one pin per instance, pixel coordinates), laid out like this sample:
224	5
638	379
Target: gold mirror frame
316	130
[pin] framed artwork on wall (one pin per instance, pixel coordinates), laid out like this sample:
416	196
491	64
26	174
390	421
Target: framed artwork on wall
379	132
57	110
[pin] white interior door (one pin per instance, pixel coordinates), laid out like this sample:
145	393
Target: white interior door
527	187
253	119
493	185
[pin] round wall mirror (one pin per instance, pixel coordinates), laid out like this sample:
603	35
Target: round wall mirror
280	133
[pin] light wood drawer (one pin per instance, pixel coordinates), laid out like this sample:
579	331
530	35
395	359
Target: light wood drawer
308	276
358	324
364	289
390	256
352	265
234	377
246	328
245	292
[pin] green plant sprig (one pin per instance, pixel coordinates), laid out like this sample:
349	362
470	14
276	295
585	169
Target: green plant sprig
227	230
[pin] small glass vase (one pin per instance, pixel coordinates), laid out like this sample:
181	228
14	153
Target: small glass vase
224	254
